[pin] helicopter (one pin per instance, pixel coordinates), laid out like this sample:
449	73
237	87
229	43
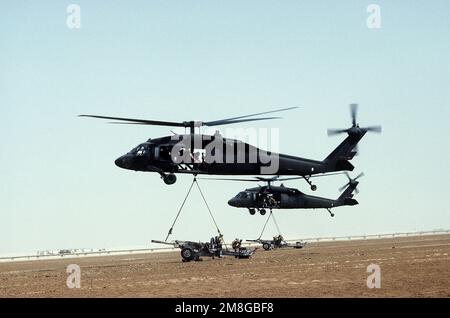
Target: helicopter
281	197
193	154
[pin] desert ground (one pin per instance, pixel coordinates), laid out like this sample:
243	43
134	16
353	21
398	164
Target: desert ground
416	266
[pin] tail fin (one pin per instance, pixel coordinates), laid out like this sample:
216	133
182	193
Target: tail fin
346	149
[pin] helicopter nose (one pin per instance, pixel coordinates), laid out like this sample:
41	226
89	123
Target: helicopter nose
119	162
123	162
232	202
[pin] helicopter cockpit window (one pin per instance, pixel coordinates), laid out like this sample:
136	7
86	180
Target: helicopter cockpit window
134	150
140	150
242	195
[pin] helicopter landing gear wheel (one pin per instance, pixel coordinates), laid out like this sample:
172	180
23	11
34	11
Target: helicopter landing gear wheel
313	186
252	211
331	213
169	178
262	212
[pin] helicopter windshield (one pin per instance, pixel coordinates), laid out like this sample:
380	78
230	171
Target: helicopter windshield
242	195
140	150
134	150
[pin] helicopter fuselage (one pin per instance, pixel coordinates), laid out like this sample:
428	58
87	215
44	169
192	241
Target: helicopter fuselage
216	155
280	197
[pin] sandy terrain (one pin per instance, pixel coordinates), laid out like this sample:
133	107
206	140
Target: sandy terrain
410	266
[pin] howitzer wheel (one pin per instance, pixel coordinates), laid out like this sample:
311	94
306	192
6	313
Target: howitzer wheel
187	254
266	246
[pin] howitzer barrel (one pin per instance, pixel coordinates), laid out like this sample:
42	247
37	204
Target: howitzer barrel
256	241
166	243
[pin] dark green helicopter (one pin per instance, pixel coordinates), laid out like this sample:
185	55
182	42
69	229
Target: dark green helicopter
281	197
193	154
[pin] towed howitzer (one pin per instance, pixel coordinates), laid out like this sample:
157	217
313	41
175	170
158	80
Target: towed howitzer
193	251
277	242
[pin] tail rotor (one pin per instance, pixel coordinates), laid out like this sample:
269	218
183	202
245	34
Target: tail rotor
352	182
354	129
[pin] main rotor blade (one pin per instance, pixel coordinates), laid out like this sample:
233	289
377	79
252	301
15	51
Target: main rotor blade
287	179
267	179
359	176
273	179
140	121
353	111
217	122
326	174
228	122
313	176
232	120
230	179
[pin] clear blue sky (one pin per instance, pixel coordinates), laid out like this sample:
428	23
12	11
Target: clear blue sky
182	60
